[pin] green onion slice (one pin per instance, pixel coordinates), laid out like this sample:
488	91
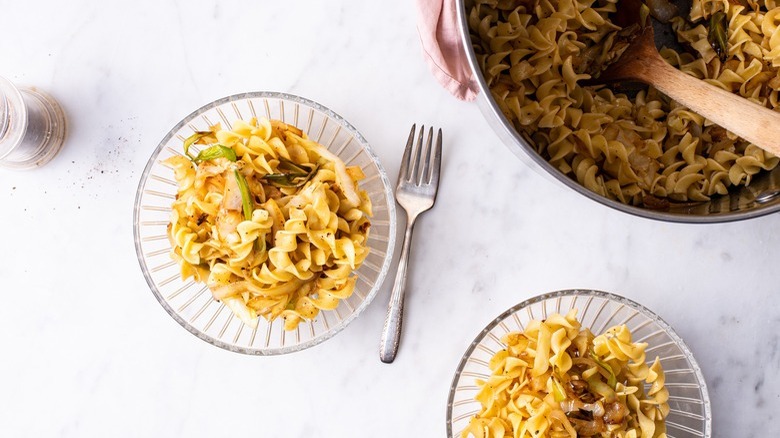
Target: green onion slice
287	166
291	174
189	141
717	34
612	379
246	197
216	151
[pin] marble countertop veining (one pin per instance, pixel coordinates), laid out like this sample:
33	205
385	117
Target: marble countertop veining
88	352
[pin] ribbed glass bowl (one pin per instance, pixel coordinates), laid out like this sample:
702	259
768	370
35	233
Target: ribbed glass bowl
191	303
689	402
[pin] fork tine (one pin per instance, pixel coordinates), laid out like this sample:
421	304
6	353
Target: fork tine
414	175
436	165
425	172
403	172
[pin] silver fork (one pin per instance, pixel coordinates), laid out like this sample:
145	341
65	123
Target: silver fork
418	181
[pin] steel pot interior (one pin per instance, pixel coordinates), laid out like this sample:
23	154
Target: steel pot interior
761	197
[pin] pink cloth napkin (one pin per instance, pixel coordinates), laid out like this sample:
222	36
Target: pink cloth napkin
437	24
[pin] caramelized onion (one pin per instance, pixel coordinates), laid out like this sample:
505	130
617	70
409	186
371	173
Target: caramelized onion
615	412
578	387
662	10
588	428
229	290
597	409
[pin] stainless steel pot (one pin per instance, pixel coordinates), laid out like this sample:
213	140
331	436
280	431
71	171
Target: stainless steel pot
760	198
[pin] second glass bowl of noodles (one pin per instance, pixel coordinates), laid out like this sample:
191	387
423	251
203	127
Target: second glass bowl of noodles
191	303
761	196
689	406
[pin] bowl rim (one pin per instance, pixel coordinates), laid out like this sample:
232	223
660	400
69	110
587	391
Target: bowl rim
579	293
524	151
391	211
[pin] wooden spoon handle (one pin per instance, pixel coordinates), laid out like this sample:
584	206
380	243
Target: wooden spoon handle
751	121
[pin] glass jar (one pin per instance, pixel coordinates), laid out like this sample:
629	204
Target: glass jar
32	127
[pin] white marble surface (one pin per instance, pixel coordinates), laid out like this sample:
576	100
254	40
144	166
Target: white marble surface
86	350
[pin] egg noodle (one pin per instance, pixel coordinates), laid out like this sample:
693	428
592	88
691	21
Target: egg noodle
556	379
272	222
641	150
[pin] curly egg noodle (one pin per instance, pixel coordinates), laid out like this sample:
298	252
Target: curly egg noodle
535	53
272	222
556	379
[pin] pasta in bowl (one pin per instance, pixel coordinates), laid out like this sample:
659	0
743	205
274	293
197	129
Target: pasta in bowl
270	220
637	152
262	223
578	363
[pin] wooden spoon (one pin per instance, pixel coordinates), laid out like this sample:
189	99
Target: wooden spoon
642	62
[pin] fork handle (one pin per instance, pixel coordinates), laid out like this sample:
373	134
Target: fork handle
391	334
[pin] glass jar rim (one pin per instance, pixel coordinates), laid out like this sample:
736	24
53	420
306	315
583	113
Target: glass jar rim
3	115
13	117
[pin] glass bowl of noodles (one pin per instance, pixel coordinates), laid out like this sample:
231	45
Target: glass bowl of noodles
264	223
640	365
627	146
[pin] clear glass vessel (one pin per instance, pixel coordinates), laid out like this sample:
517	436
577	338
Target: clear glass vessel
32	127
689	402
190	303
